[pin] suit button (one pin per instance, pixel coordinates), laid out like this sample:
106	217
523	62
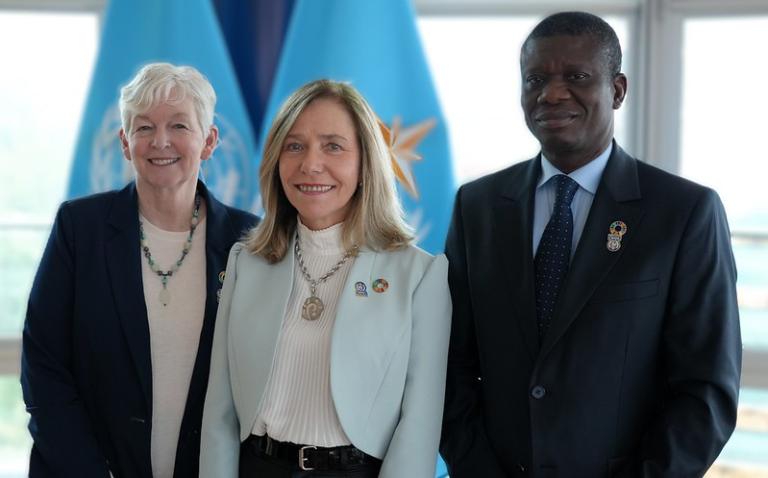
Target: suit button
538	392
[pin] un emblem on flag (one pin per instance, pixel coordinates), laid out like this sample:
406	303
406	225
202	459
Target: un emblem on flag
228	173
109	169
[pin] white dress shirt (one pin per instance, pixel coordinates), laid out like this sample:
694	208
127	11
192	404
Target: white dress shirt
588	178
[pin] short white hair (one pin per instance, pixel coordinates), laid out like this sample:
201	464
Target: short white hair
157	83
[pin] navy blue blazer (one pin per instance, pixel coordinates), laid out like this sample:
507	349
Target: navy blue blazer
85	370
638	375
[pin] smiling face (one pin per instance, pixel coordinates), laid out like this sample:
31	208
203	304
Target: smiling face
320	163
568	97
166	146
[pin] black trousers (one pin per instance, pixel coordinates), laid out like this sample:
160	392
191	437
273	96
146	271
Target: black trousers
255	464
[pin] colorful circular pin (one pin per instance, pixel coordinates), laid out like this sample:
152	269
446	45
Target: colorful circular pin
222	275
361	289
380	285
618	228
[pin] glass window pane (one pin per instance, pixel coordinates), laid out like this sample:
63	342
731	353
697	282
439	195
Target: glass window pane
721	132
752	263
475	62
42	103
720	144
21	251
744	454
15	442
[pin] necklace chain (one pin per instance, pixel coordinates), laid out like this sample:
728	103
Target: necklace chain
313	306
164	295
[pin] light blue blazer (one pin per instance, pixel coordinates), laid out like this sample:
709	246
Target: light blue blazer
388	357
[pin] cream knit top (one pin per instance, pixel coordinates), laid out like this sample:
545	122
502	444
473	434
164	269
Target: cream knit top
297	405
174	335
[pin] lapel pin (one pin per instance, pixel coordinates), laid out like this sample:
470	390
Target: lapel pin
615	233
380	285
618	228
360	289
222	275
613	245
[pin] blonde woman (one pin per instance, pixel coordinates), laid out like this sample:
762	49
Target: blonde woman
332	335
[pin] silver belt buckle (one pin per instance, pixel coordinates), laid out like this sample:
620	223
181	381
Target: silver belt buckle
302	458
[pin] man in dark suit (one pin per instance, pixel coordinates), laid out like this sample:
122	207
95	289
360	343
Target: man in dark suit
595	329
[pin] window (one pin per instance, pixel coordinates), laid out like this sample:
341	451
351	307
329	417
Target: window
722	124
42	100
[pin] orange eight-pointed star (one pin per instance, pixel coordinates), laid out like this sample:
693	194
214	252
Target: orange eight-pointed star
402	145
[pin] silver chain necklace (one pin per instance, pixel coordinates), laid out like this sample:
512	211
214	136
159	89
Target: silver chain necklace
165	296
313	306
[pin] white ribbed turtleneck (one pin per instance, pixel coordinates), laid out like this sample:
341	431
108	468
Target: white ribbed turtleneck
297	405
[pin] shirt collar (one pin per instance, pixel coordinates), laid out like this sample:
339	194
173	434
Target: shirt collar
587	176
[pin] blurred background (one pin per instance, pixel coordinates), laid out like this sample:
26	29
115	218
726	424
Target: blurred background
696	107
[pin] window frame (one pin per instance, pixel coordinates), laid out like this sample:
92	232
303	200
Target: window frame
94	6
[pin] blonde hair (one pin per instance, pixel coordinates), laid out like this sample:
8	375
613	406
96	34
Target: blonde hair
375	219
157	83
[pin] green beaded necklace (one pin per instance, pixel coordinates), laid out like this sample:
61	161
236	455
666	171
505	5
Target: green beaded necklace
164	296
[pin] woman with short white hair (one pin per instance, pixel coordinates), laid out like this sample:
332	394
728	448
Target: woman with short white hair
117	337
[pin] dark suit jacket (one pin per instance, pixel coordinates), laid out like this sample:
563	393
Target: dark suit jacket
86	371
638	374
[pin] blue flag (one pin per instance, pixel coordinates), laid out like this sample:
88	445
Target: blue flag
183	32
375	46
254	32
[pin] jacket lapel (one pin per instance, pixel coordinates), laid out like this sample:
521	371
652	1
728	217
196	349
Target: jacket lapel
256	321
352	308
220	233
514	213
123	258
349	306
616	199
219	236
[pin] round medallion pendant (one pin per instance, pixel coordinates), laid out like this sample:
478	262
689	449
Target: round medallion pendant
312	308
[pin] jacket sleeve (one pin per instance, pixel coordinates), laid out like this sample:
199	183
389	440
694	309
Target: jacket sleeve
63	440
701	352
464	444
417	434
220	436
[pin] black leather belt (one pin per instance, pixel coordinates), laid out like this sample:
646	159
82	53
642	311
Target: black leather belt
310	457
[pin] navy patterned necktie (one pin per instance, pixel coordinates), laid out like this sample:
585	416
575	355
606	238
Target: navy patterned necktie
554	253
